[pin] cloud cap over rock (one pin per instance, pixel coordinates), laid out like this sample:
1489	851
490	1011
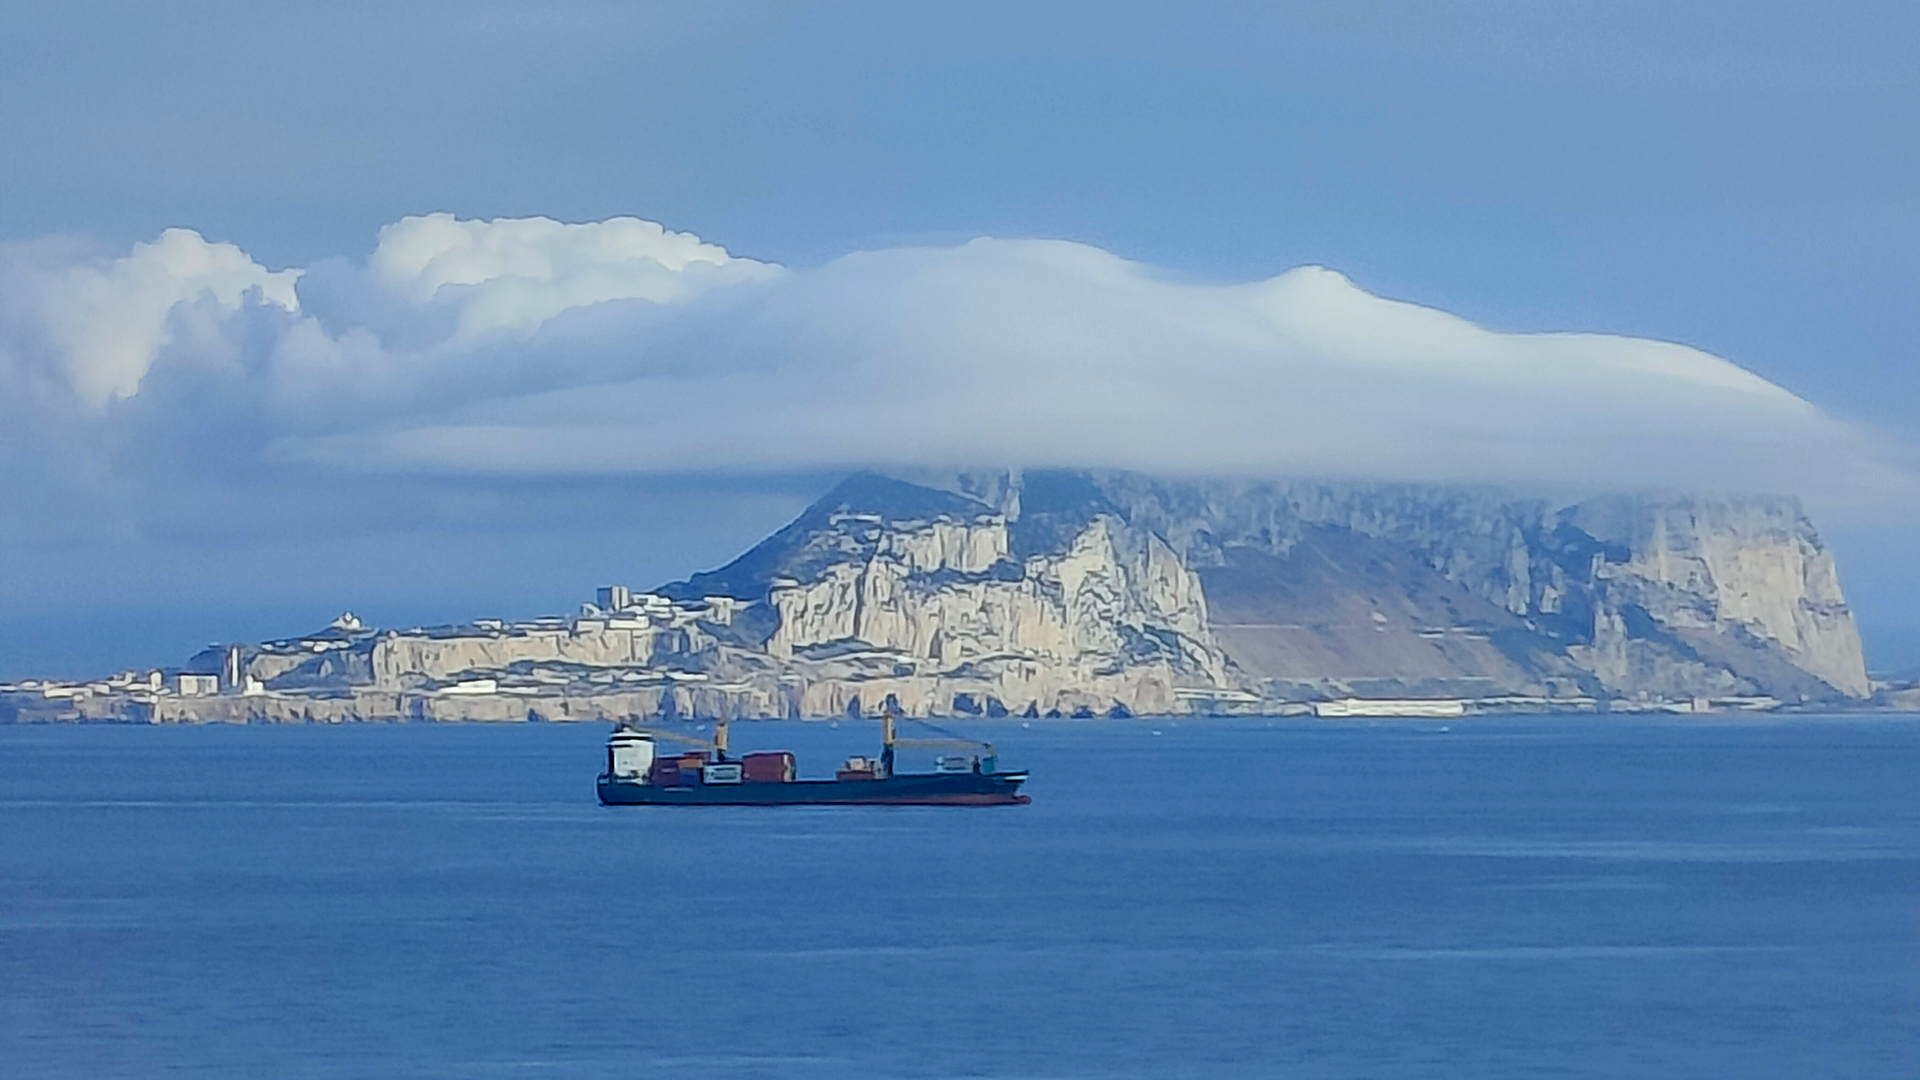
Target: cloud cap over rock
529	346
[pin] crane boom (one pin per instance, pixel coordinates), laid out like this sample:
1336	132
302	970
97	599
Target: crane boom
673	737
944	744
890	739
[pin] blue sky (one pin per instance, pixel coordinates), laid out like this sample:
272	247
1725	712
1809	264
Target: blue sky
1737	178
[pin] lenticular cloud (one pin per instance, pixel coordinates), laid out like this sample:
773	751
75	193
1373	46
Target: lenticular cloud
530	347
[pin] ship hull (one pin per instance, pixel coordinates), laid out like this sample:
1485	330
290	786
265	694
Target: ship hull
935	789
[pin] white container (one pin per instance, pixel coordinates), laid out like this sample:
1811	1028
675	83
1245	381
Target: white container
728	773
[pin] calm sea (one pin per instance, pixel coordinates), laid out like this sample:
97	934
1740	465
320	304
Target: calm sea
1495	898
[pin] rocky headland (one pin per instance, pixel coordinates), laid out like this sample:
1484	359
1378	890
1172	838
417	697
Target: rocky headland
1077	593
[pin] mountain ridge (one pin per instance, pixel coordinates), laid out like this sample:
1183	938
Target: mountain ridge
1087	592
1612	594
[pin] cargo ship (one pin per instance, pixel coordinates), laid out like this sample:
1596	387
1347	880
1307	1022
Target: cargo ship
639	774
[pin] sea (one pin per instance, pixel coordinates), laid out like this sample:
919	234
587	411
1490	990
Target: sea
1479	898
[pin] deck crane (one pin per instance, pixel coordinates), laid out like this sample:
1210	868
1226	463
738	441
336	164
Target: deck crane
889	738
718	743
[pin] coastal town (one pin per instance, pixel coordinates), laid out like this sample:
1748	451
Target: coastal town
600	664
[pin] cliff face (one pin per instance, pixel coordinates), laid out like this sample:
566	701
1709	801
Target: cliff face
1092	593
1747	583
1107	618
1663	595
1026	588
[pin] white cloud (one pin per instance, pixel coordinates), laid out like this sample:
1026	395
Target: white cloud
1030	352
531	347
107	320
515	274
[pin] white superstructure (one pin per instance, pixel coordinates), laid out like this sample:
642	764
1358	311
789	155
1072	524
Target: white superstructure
629	756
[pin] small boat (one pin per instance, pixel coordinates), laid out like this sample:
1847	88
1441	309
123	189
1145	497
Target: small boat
639	774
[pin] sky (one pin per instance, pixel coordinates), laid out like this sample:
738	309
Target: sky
348	365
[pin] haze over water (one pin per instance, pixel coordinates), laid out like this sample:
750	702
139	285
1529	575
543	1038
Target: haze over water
1503	898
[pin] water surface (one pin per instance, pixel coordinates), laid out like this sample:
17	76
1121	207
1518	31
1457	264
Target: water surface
1503	898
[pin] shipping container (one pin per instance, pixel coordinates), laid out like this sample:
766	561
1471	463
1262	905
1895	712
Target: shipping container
768	768
683	769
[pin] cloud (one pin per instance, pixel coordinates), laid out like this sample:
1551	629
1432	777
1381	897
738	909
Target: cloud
104	321
1032	352
515	274
530	348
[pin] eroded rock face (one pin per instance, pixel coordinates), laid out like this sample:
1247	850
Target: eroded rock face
1670	596
1644	594
1752	571
1109	619
1098	593
1291	591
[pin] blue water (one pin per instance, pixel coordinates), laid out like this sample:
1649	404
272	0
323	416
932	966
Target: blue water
1513	898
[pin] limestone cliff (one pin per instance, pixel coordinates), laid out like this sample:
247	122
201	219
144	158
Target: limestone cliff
1396	588
1108	618
1105	593
1745	585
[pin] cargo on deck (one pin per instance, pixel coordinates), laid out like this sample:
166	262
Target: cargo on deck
713	777
768	768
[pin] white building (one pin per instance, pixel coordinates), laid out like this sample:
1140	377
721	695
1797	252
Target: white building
1383	707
